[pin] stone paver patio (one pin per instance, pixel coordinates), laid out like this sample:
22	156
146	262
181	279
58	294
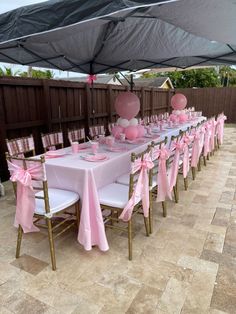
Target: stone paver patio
188	265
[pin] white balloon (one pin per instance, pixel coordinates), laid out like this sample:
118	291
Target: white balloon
133	121
124	123
119	121
177	112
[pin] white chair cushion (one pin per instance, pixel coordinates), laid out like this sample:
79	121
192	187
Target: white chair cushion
114	195
58	200
124	179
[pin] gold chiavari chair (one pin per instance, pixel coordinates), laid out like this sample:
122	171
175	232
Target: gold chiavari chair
52	140
111	126
115	196
154	184
49	202
20	147
96	130
76	135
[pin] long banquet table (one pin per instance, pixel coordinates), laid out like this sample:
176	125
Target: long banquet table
71	172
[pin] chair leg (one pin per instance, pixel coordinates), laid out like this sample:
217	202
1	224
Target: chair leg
164	208
19	238
176	191
130	239
204	160
147	227
199	166
193	173
51	243
186	184
208	156
150	213
77	209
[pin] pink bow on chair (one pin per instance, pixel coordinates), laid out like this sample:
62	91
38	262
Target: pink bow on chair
162	155
141	190
221	120
186	140
176	146
207	139
25	202
196	148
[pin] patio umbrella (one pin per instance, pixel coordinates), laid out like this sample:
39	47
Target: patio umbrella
114	35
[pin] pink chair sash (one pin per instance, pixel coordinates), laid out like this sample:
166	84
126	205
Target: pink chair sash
176	146
186	140
162	155
213	132
25	202
207	139
220	121
196	148
141	190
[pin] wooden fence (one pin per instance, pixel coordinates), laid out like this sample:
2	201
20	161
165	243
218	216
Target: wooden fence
32	106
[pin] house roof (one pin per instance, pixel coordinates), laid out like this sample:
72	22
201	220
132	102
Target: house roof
150	82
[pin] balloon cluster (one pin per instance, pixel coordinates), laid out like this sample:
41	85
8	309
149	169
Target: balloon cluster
178	103
127	106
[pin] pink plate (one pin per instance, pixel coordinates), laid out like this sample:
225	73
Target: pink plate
97	157
117	149
83	146
54	154
136	141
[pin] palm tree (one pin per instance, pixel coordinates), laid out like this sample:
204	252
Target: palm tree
9	72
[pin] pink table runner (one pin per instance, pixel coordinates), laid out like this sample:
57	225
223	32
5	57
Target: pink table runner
73	173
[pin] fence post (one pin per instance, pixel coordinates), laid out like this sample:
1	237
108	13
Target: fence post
110	101
142	102
3	146
46	93
152	101
87	108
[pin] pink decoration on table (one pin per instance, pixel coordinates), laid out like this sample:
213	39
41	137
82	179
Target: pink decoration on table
162	155
110	140
141	190
25	203
91	78
131	132
173	117
141	130
177	147
178	101
183	118
127	105
116	131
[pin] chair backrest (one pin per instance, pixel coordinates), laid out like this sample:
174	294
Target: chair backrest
154	146
174	138
133	178
111	126
52	140
76	135
146	120
96	130
38	177
21	146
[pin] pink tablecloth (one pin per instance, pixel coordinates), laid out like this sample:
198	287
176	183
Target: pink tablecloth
72	173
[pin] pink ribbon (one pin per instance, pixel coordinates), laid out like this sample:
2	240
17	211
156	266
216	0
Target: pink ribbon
196	148
187	140
207	139
141	190
25	202
177	147
91	78
162	155
220	121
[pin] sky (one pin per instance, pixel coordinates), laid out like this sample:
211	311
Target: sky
8	5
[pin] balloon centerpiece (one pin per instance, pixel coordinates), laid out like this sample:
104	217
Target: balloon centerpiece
178	103
127	106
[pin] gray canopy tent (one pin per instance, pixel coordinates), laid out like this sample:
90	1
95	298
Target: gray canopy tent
117	35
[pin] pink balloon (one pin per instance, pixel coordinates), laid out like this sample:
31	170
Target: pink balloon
131	132
127	105
116	130
178	102
183	118
141	130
